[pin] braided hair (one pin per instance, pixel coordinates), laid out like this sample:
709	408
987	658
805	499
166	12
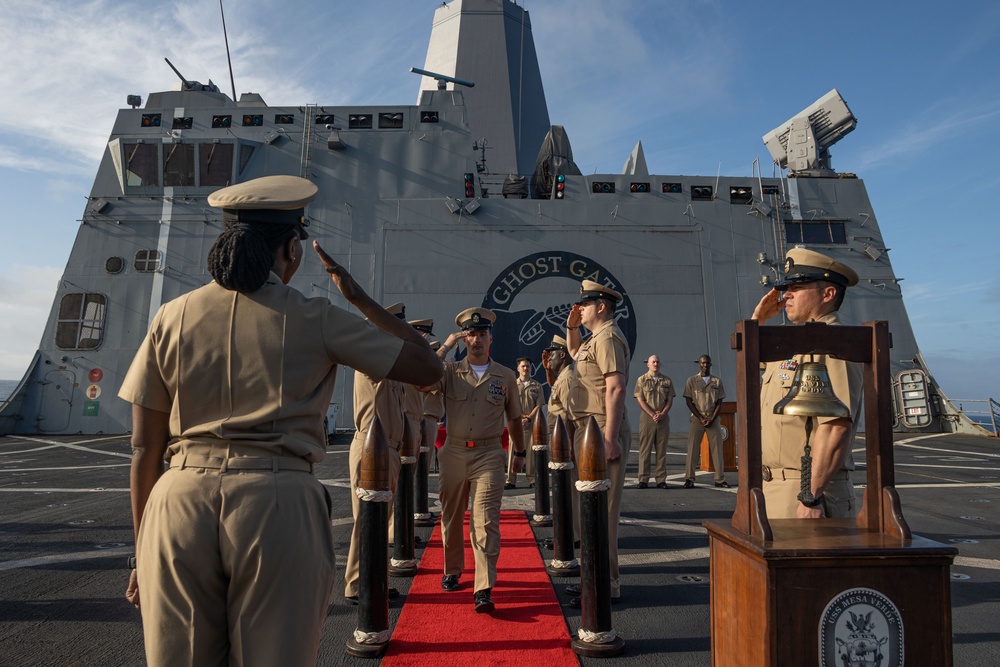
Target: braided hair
242	257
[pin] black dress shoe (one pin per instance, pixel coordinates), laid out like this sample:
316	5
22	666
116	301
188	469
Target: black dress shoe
573	590
661	485
449	582
483	602
722	485
393	594
643	485
508	486
689	484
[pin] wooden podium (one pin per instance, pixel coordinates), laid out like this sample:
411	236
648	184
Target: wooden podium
727	417
831	592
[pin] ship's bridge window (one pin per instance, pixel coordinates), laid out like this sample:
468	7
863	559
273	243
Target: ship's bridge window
215	164
178	164
391	121
822	232
81	321
147	261
141	169
357	121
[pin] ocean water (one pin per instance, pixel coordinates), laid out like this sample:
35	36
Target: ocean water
7	388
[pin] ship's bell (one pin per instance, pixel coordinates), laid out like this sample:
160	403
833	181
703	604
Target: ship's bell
811	394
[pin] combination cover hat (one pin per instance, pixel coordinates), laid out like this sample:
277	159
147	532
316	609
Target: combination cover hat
269	199
590	290
558	343
397	309
806	266
475	318
423	326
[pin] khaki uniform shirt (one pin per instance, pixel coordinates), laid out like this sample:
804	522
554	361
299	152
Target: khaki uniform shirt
382	399
434	405
703	394
257	368
476	408
605	351
413	403
559	397
531	395
655	389
783	437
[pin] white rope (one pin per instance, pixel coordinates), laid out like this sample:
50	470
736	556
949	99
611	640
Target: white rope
373	496
541	517
403	460
596	485
560	465
557	564
422	515
403	563
597	637
539	448
374	637
424	449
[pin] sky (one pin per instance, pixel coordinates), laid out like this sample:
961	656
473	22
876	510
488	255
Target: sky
698	82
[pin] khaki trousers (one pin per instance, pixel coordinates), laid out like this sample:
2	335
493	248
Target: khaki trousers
781	495
477	471
235	567
353	568
616	473
529	460
653	435
714	431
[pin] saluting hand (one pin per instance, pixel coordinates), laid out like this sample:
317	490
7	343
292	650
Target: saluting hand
545	360
575	317
769	306
341	278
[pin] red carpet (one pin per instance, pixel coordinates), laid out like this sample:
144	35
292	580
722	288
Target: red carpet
441	628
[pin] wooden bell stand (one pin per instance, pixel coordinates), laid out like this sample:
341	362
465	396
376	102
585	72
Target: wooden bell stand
778	587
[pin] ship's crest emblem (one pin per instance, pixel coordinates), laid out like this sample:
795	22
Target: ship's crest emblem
541	313
861	627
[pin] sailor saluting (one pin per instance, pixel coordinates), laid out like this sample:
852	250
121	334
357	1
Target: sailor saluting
233	540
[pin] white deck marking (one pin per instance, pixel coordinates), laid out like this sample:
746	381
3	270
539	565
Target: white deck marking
77	446
115	552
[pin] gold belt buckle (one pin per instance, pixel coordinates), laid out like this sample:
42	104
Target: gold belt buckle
766	472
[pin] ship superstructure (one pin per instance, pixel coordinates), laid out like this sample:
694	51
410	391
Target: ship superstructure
469	197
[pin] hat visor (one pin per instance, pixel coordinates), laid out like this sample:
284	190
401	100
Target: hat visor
797	280
303	234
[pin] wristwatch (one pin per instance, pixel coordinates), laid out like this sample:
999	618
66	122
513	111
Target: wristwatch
131	562
520	454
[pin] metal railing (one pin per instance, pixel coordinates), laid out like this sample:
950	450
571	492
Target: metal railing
988	418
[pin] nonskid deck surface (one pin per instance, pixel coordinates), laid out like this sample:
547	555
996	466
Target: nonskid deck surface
65	533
